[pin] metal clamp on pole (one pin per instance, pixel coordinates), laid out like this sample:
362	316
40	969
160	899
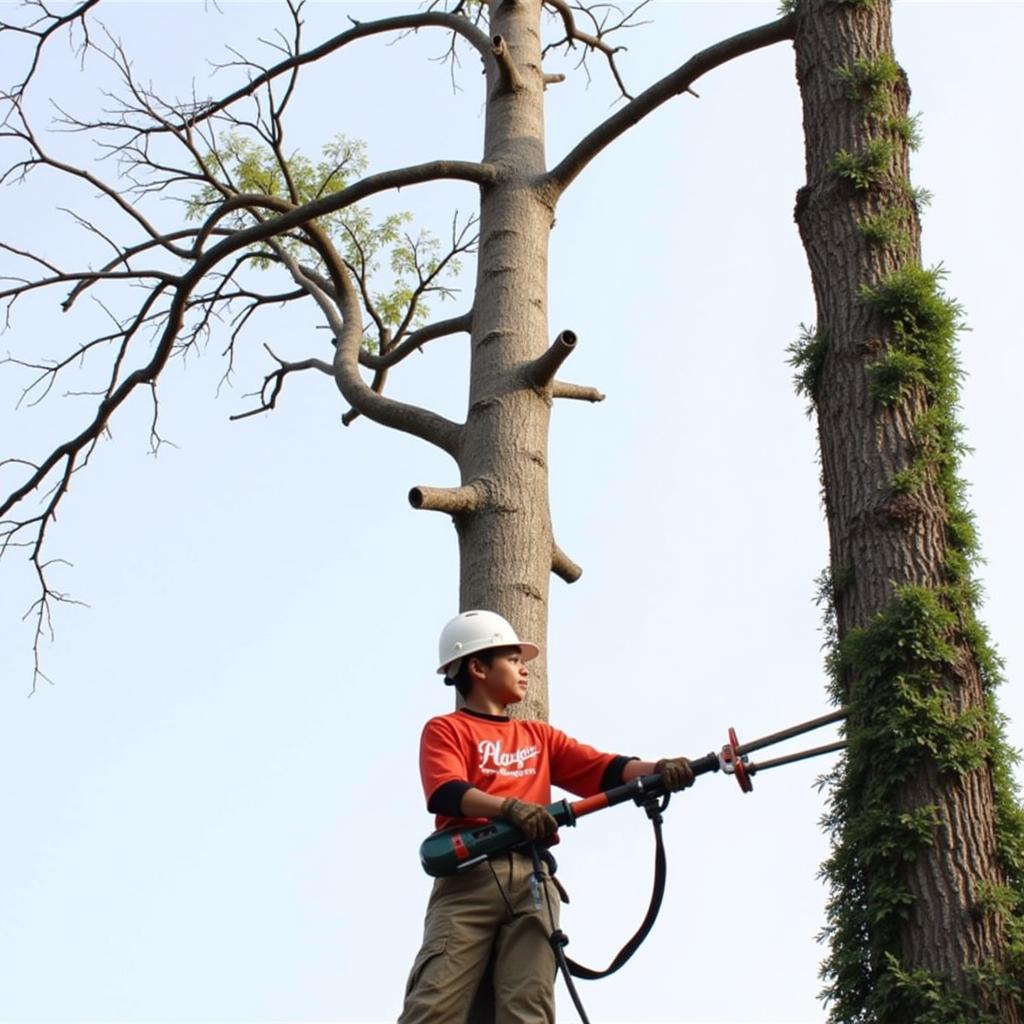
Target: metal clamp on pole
734	755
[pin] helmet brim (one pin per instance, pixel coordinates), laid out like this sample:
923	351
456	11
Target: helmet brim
528	650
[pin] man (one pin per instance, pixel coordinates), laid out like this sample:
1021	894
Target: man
476	764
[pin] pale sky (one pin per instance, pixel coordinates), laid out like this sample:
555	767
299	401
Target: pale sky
213	813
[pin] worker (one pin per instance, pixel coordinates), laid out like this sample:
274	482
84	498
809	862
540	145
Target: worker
476	764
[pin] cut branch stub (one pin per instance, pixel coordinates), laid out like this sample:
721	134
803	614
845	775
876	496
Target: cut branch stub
511	80
543	369
564	567
579	392
453	500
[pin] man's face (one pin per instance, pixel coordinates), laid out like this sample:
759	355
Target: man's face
504	680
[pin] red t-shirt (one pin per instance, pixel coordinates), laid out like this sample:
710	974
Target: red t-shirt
505	757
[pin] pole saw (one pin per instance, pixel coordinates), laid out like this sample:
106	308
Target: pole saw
453	850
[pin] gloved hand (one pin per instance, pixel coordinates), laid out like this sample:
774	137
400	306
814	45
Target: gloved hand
675	772
533	820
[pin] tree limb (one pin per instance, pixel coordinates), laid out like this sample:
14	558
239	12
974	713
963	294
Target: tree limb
77	13
300	216
360	30
343	318
543	369
574	34
560	389
509	77
455	501
416	340
562	175
564	567
275	381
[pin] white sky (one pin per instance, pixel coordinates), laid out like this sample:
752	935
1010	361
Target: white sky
213	815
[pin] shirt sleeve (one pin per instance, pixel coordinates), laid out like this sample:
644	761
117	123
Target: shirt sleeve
579	768
442	759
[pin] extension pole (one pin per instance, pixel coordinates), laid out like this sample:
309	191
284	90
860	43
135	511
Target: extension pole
796	730
760	766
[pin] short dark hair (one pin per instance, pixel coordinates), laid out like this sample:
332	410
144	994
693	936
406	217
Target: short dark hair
461	680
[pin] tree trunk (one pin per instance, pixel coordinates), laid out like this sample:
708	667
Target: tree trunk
919	894
505	544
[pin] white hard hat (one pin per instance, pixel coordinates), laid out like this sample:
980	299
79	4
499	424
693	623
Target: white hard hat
474	631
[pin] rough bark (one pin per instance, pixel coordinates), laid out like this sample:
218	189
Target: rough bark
506	546
881	540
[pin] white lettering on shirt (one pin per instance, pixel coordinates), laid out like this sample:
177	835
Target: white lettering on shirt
494	760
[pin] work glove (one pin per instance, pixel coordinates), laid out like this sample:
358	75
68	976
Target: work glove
533	820
675	773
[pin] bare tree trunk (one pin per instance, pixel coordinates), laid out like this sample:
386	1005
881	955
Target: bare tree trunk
506	545
915	818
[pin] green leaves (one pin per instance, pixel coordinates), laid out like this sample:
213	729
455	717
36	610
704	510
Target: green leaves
865	169
237	166
866	80
807	357
889	228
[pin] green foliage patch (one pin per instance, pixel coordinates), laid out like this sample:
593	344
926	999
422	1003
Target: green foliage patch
924	324
888	228
907	128
807	357
866	80
365	242
899	675
866	169
906	720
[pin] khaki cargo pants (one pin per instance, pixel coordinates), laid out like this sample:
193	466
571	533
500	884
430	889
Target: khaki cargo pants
470	917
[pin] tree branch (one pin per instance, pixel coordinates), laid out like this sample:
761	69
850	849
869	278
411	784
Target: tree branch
560	389
574	34
416	340
510	79
275	381
300	216
344	320
564	567
360	30
77	13
453	500
561	176
543	369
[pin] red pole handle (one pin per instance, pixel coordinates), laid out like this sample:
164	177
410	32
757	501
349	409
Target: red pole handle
731	756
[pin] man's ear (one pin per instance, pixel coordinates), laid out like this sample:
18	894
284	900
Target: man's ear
475	668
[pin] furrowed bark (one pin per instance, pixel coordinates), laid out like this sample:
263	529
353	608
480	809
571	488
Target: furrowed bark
881	541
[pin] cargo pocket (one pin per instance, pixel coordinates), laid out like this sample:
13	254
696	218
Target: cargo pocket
428	967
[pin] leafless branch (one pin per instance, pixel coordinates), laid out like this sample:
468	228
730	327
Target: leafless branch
415	341
40	157
380	378
193	277
560	389
508	73
603	20
543	369
564	567
274	382
673	84
42	27
360	30
455	501
343	318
